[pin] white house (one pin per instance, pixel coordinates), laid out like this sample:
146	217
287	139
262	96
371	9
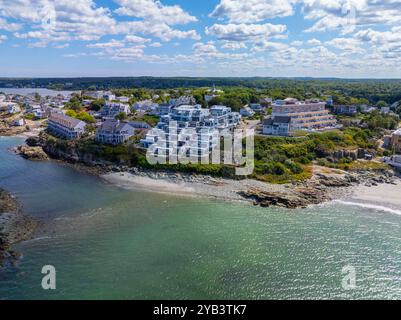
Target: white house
257	107
277	126
19	122
10	107
146	106
114	132
123	99
247	112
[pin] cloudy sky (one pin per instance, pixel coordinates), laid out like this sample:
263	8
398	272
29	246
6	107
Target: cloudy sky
319	38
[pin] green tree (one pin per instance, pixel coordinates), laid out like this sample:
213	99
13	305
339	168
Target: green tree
96	105
121	116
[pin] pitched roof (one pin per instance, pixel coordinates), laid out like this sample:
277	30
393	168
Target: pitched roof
278	119
64	120
113	126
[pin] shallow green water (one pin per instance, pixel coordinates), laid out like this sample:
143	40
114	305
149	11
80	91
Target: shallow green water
110	243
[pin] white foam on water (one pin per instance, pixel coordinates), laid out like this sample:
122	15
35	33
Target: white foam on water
38	239
370	206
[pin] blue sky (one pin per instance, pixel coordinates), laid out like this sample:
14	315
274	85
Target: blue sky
319	38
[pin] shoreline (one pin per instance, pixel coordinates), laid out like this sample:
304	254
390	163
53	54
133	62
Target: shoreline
383	197
15	227
325	184
291	195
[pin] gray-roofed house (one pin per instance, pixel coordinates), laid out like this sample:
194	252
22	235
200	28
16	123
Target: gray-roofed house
114	132
277	126
66	127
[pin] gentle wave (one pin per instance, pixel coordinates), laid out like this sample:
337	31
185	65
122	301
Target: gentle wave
38	239
370	206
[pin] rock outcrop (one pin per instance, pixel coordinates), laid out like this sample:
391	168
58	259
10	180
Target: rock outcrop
32	153
299	198
14	226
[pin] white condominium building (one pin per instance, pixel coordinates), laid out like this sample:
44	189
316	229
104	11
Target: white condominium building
305	115
191	126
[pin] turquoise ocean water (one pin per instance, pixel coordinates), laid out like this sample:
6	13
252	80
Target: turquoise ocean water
109	243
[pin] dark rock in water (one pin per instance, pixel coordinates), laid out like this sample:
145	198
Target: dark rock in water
300	198
14	226
32	153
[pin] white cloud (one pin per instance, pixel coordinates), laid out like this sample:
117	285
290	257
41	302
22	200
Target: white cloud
66	20
136	39
155	45
314	42
233	45
160	30
62	46
153	10
269	46
245	32
297	43
3	38
348	14
103	45
346	44
61	20
7	26
209	50
250	11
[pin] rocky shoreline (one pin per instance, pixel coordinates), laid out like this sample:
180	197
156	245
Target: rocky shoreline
14	227
325	185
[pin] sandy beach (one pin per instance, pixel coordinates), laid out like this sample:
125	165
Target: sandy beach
190	185
384	197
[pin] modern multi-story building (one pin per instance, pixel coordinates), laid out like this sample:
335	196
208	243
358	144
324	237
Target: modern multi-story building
114	132
310	115
66	127
196	128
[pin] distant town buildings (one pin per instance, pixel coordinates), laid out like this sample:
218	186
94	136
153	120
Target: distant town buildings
145	106
349	110
256	107
247	112
66	127
111	109
19	122
107	95
184	100
10	107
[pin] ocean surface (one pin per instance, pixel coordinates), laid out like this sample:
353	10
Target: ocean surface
109	243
